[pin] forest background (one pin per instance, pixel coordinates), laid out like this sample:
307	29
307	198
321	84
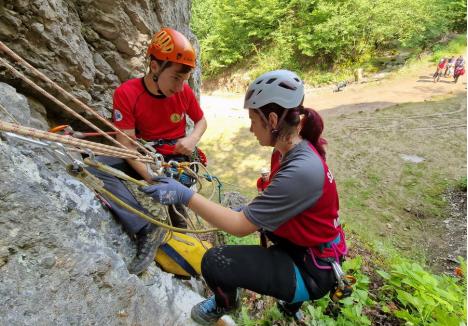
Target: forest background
395	212
323	39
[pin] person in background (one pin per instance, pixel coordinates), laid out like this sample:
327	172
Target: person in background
450	67
460	61
264	180
298	211
440	69
459	68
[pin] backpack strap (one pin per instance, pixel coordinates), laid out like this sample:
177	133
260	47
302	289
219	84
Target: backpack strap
168	250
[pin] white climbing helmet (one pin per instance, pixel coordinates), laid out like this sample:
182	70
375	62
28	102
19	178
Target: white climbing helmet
282	87
264	171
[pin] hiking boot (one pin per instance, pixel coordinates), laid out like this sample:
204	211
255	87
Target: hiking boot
148	241
208	313
177	220
292	310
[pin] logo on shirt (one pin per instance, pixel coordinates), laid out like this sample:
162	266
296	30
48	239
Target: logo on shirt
175	117
330	176
118	115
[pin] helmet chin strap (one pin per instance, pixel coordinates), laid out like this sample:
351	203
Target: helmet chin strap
156	77
274	131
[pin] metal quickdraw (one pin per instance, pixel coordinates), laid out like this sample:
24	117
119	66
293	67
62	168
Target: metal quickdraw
344	287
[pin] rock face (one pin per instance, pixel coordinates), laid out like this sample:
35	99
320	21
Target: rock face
88	47
62	255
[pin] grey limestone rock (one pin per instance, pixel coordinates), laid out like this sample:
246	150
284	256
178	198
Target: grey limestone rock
88	47
62	255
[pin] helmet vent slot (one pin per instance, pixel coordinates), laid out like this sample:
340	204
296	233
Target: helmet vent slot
270	80
249	95
284	85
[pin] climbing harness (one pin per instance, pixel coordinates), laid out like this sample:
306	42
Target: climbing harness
344	282
96	184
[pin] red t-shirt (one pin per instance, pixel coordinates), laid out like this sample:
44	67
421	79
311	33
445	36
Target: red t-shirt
151	116
261	185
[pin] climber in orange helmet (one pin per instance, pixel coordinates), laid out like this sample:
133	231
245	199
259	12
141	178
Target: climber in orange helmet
154	108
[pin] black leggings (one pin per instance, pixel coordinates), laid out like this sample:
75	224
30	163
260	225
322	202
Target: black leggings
268	271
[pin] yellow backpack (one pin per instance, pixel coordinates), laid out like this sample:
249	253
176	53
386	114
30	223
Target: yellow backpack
181	254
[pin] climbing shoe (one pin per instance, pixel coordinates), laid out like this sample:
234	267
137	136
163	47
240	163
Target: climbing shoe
208	313
177	220
291	310
148	241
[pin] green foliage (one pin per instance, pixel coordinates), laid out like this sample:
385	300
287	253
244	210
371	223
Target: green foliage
244	318
251	239
425	298
352	309
455	47
300	34
461	184
456	10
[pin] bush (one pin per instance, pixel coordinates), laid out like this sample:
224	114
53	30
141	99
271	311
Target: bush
454	47
424	298
299	34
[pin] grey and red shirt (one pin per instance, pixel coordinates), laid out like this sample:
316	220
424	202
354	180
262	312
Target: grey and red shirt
301	202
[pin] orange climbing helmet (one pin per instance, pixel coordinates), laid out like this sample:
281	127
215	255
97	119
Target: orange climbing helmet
171	45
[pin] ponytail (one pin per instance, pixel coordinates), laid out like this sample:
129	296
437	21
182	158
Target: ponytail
311	124
311	130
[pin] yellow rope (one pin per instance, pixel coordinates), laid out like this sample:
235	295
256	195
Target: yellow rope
97	185
116	173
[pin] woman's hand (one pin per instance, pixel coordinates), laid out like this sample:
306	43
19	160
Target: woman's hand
168	191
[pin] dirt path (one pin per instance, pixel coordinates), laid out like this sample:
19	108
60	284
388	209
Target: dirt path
416	85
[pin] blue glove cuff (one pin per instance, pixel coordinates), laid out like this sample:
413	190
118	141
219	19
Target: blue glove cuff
185	196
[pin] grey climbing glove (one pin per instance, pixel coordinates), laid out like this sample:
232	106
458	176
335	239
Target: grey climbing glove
168	191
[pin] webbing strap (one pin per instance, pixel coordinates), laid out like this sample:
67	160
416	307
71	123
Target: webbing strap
168	250
330	244
160	142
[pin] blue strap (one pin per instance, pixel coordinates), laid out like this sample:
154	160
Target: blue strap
168	250
329	243
301	293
